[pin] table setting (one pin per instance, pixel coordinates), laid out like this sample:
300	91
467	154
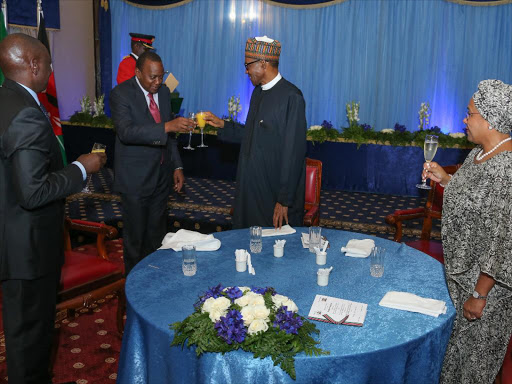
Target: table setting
396	342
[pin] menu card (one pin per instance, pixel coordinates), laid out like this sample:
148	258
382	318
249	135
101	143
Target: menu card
337	311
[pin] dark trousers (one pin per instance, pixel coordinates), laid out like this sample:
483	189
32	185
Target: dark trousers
144	223
29	317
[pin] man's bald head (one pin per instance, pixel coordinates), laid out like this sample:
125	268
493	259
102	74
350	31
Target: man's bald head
25	60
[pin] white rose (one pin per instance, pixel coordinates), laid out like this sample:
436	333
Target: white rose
315	127
290	306
257	326
247	315
256	299
242	301
207	305
261	312
457	135
278	300
221	303
216	314
388	130
244	289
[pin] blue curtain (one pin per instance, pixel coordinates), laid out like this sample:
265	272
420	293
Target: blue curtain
24	12
388	55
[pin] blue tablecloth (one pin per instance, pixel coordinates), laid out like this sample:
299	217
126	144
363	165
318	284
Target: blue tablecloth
393	346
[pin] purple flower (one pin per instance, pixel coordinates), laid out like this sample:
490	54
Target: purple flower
231	327
287	321
366	127
435	129
400	128
214	292
234	293
262	291
327	124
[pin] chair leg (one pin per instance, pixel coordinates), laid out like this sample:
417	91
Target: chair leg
121	310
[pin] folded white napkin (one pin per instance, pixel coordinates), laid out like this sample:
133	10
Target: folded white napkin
413	303
177	240
280	243
285	230
249	264
358	248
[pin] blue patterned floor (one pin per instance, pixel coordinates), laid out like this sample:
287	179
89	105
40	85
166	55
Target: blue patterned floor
204	205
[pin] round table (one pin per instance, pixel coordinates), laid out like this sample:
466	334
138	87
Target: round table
392	346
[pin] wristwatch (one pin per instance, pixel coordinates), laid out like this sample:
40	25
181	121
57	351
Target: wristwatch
476	295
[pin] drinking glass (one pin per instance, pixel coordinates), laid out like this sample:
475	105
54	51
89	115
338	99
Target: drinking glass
189	264
191	116
96	148
256	243
377	262
315	238
429	151
201	123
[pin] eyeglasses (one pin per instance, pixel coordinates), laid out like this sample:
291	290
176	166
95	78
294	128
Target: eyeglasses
468	114
252	62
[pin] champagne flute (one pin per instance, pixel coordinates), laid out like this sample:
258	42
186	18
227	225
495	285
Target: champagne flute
96	148
191	116
201	123
429	151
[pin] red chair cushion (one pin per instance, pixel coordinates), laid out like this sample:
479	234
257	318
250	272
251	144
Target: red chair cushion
437	203
431	248
80	268
311	177
506	373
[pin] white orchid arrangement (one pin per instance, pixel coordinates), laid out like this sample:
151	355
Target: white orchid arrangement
85	104
98	107
234	107
352	113
253	319
315	128
424	115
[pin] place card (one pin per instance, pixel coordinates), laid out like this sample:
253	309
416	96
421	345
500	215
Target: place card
337	311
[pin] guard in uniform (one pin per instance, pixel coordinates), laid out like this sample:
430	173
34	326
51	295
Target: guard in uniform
140	44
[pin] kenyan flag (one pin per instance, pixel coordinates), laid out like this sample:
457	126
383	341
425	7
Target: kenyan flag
49	97
3	33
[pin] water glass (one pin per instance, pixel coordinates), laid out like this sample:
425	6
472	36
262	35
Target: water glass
315	238
256	243
377	262
189	264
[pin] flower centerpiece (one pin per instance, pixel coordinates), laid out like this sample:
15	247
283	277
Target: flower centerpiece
92	113
256	320
424	115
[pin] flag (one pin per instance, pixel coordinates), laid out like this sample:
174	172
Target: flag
49	97
3	33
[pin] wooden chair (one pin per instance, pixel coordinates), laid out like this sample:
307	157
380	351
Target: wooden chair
313	187
88	274
431	210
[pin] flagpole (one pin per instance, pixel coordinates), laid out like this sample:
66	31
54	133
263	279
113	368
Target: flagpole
4	11
39	11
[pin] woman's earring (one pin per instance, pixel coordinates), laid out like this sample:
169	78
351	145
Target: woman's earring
490	127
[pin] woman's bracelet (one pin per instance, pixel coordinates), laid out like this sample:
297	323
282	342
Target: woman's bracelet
443	185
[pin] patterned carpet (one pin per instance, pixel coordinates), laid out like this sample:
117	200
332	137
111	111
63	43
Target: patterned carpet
204	205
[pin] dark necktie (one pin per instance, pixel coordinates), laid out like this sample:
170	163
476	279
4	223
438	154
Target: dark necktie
41	106
153	108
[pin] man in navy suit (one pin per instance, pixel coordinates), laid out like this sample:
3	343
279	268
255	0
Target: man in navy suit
33	186
146	156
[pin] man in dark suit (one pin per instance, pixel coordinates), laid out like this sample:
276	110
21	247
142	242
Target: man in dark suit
33	185
146	156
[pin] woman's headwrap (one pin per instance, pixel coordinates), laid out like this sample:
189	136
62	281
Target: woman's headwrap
494	103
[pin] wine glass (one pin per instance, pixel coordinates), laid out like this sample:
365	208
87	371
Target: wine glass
429	151
191	116
96	148
201	123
